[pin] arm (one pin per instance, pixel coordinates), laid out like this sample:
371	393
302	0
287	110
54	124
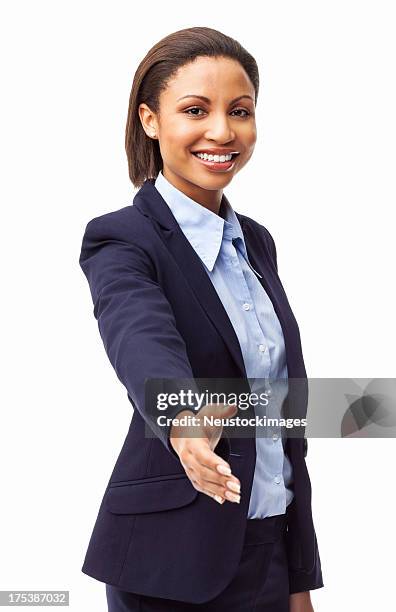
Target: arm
135	320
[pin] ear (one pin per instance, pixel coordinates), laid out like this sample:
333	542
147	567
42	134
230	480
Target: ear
148	120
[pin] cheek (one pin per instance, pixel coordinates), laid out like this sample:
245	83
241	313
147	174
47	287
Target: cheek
180	133
251	137
174	145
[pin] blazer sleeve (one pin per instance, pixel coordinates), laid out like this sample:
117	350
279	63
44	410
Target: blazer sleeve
300	581
135	319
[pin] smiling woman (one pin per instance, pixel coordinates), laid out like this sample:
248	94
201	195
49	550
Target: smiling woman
186	288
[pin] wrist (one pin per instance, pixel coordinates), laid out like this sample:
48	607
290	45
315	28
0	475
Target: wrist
300	602
178	434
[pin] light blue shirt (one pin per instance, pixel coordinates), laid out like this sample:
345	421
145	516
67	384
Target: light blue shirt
221	247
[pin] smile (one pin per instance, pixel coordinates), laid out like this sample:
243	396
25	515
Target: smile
216	162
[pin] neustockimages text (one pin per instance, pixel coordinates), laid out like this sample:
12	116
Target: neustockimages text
206	420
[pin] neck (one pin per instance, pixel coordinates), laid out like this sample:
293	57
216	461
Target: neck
210	199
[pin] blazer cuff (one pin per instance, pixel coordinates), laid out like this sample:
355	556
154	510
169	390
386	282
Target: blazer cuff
300	581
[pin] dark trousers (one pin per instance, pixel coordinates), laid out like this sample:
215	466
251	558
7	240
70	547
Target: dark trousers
261	583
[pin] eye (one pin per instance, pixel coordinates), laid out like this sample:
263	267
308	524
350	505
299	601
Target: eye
197	108
243	110
193	108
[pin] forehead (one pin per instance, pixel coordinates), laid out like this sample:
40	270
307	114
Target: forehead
210	77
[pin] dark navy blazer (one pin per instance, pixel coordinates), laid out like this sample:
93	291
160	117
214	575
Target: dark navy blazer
159	316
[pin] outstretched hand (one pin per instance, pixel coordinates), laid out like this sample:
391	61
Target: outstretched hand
195	445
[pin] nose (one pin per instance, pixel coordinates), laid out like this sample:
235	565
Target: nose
220	129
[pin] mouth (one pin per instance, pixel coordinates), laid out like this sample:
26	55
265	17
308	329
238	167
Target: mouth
216	162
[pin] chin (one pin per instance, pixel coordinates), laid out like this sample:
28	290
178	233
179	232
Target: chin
208	180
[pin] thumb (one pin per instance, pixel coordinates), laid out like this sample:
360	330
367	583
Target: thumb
229	410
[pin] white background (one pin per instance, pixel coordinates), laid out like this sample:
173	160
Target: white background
322	179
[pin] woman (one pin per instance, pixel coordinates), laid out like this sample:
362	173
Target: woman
186	288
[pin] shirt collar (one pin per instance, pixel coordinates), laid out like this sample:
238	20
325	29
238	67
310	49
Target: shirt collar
203	228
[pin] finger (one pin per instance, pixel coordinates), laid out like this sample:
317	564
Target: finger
233	497
210	464
215	489
220	410
204	455
230	409
219	498
228	495
212	476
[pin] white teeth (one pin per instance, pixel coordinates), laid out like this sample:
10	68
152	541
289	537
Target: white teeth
215	158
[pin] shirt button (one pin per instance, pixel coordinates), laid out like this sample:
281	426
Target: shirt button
262	347
246	306
277	479
268	391
275	437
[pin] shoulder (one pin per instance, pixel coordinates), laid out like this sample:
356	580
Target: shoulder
117	241
126	224
126	227
124	235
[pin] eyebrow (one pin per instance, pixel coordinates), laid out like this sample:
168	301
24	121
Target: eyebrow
205	99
